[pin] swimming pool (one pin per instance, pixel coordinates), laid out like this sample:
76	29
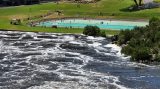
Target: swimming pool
103	24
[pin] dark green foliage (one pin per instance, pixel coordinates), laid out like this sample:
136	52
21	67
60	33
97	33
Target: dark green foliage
18	2
114	38
157	36
141	54
142	43
94	31
91	31
128	50
126	36
157	58
103	33
154	22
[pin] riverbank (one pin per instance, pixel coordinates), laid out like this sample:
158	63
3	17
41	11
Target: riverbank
59	30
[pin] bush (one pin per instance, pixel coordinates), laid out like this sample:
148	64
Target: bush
154	22
91	31
128	50
141	55
157	36
157	58
124	36
142	43
103	33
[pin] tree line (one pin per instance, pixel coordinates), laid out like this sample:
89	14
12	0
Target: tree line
18	2
21	2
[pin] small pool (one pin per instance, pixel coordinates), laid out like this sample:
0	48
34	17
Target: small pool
103	24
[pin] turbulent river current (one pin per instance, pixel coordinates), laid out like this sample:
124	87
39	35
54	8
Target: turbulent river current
66	61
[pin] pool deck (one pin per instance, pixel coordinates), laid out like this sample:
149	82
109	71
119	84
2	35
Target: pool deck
96	18
86	18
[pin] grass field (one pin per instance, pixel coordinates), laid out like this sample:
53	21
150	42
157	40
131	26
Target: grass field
110	9
157	0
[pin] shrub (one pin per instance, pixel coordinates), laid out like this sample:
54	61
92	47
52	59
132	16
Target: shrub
128	50
154	22
124	36
142	43
157	36
141	55
91	31
103	33
157	58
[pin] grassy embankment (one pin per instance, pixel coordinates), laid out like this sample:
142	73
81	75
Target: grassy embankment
110	8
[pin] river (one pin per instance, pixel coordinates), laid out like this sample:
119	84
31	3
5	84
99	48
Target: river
65	61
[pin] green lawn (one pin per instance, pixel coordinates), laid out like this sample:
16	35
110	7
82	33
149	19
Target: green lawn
157	0
109	8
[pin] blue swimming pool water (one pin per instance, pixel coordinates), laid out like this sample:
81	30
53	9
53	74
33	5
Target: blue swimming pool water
103	24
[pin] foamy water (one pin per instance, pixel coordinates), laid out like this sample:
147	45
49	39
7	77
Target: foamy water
65	61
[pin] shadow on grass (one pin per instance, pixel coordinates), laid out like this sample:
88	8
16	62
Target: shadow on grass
134	8
129	9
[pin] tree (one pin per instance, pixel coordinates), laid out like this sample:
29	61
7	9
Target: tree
91	31
124	36
141	54
142	43
138	2
135	1
1	1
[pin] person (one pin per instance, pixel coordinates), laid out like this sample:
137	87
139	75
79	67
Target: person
101	22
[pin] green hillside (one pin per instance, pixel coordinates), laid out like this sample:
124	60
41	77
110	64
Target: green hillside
108	8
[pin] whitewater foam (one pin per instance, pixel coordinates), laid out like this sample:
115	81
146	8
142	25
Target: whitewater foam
85	62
